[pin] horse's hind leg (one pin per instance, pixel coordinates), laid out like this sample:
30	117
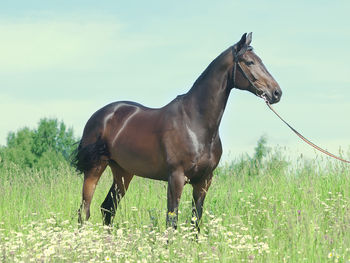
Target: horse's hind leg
91	179
121	181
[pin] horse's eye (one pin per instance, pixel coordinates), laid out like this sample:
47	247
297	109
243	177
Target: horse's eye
248	63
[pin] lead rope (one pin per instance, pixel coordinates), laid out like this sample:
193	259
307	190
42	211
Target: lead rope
303	138
236	62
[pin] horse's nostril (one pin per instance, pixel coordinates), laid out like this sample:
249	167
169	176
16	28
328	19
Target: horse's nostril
276	93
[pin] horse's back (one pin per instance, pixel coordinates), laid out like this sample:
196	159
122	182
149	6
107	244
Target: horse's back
98	121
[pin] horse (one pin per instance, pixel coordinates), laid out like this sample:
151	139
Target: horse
178	143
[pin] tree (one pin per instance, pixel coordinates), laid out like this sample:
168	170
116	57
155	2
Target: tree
19	148
261	149
50	144
54	136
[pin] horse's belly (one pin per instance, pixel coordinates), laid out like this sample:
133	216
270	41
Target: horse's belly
140	156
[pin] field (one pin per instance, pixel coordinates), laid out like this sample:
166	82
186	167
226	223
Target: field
255	211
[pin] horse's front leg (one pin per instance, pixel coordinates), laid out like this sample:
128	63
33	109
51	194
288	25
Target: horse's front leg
200	190
176	182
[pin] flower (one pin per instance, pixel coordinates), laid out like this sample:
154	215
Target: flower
49	251
51	221
108	259
330	255
120	232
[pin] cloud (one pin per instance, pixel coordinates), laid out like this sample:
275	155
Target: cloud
51	43
69	42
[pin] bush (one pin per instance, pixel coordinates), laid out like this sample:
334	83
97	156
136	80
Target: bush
264	160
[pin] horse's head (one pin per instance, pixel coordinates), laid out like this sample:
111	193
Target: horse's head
249	73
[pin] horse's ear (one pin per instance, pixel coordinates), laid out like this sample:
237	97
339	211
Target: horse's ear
249	39
242	42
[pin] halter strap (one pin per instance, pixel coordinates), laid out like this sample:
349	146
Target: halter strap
236	56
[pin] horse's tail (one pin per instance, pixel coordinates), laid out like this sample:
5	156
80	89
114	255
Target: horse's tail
89	156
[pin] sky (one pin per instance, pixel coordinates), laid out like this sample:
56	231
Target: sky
67	59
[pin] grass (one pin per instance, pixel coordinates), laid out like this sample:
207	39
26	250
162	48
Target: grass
265	210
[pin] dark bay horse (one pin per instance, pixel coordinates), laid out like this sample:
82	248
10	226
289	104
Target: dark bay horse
178	143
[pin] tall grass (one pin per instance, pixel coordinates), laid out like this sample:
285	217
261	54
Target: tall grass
257	210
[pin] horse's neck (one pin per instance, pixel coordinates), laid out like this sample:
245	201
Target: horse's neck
206	101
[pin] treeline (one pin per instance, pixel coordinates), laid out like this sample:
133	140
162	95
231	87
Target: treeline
48	145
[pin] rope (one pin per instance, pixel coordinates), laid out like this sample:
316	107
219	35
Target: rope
304	139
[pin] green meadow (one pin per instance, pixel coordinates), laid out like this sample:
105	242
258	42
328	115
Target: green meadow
264	208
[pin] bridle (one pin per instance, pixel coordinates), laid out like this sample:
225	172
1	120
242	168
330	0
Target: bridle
236	63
